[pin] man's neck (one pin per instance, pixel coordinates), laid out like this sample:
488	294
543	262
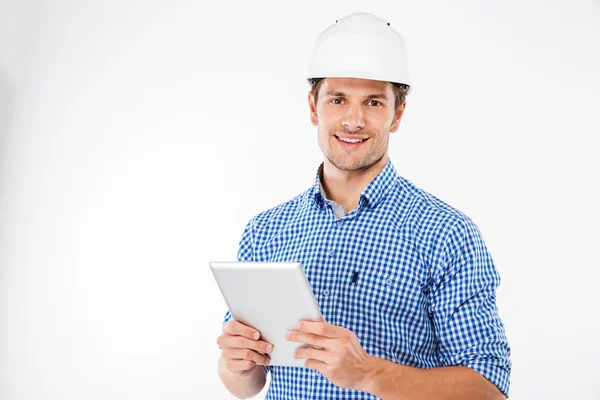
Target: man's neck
345	187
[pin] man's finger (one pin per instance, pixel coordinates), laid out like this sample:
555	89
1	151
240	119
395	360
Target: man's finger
315	354
245	354
321	329
240	342
308	338
316	365
236	328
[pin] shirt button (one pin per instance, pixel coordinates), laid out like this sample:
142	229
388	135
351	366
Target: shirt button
326	292
388	282
331	253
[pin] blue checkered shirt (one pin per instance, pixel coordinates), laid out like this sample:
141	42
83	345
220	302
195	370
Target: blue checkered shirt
426	290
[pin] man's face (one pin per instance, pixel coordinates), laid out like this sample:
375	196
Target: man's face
351	109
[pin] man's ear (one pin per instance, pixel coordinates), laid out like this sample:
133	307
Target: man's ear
313	110
397	118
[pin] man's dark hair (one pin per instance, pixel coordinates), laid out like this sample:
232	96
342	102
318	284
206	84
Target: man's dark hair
400	91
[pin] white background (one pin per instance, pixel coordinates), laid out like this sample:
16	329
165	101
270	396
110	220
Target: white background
137	139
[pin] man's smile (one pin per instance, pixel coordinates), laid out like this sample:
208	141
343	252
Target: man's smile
351	142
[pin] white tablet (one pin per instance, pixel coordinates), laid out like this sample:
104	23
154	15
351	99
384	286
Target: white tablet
270	297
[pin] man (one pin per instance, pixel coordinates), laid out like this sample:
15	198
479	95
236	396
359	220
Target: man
404	281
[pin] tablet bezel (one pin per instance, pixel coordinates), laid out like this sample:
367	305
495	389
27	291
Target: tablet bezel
270	297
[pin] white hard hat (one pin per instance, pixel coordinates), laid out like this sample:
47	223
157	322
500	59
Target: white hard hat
360	45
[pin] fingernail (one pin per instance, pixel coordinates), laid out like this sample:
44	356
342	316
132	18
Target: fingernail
287	335
269	348
267	362
256	335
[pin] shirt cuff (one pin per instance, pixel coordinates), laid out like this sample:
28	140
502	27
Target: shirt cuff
498	375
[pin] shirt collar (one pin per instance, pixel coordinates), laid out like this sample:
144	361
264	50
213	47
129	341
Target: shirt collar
371	195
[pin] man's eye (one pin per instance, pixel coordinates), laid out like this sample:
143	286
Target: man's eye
334	101
376	103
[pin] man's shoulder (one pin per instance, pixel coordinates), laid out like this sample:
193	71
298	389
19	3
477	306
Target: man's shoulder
274	218
428	214
435	227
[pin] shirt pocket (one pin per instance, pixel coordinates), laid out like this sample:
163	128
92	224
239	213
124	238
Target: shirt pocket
386	309
372	307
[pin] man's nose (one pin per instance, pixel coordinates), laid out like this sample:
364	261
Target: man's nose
353	119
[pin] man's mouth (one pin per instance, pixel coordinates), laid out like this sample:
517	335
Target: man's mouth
351	142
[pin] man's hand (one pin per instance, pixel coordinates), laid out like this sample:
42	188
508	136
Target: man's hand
342	361
240	347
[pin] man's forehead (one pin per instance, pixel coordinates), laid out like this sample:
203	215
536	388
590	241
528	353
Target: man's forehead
339	86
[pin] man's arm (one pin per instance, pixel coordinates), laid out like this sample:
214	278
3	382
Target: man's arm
393	381
473	348
336	353
248	380
249	384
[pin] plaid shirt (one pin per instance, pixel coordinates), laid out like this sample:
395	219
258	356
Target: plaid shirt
426	289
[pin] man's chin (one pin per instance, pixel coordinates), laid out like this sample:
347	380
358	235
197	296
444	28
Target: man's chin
350	165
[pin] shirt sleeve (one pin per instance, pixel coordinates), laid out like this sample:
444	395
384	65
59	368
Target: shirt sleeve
463	307
245	254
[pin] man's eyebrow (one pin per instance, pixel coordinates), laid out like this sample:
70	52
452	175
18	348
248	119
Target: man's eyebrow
377	96
334	93
369	97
